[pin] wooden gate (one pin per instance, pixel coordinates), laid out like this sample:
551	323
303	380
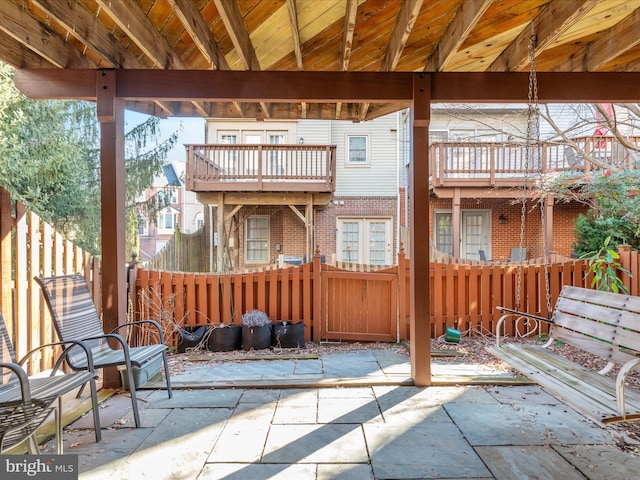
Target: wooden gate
359	306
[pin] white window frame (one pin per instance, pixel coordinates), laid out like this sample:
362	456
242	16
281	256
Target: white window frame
348	160
143	226
247	240
162	216
364	239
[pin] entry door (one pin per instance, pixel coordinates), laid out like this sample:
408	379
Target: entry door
364	240
251	157
476	233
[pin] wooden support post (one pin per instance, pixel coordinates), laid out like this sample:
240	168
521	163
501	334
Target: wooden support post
455	223
6	283
110	111
420	326
308	223
220	233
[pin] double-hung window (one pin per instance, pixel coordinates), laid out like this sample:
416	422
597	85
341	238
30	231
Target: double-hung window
357	150
257	239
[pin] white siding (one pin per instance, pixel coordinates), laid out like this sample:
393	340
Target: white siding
379	176
314	132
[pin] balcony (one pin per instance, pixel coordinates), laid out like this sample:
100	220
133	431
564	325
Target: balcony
261	168
507	164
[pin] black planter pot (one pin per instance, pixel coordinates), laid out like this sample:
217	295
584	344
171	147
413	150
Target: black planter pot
189	337
288	335
225	338
256	338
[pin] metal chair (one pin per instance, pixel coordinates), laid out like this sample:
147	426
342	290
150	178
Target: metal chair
26	401
76	318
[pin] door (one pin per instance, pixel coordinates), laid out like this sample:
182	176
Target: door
475	233
364	240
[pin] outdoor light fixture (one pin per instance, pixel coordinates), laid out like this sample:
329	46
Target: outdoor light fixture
502	219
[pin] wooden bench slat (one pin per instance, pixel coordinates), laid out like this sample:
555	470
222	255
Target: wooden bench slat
586	390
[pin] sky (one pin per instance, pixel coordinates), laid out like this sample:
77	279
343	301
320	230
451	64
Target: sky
192	131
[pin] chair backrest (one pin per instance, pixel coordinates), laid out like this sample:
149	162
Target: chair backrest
74	314
482	255
7	353
518	254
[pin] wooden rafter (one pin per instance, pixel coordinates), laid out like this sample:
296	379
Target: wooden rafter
466	17
86	28
551	22
237	30
20	25
132	20
347	41
295	36
196	26
401	30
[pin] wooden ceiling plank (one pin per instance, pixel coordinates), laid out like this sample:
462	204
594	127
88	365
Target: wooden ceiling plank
197	28
465	19
19	55
237	30
134	22
612	43
75	18
40	39
551	22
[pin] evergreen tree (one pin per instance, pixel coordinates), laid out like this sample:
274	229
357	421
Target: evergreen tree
50	161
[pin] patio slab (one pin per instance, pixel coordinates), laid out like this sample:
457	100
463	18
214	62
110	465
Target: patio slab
364	432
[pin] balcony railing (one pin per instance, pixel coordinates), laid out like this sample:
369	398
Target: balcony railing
508	164
261	168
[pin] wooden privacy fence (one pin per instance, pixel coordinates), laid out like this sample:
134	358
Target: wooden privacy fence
364	306
30	247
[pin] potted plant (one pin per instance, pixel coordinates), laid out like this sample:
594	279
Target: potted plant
256	330
288	335
190	337
224	338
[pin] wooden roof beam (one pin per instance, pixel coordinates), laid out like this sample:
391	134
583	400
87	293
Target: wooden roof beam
197	28
329	87
551	22
465	19
28	31
610	44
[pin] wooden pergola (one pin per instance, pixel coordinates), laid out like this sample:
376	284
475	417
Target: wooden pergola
315	59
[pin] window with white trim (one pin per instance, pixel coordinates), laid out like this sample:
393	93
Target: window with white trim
357	150
257	239
167	220
444	232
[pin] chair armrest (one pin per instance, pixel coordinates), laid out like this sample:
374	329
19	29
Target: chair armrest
621	380
22	378
509	312
153	322
65	353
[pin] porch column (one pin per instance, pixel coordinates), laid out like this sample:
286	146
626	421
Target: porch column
110	111
455	223
420	326
220	232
